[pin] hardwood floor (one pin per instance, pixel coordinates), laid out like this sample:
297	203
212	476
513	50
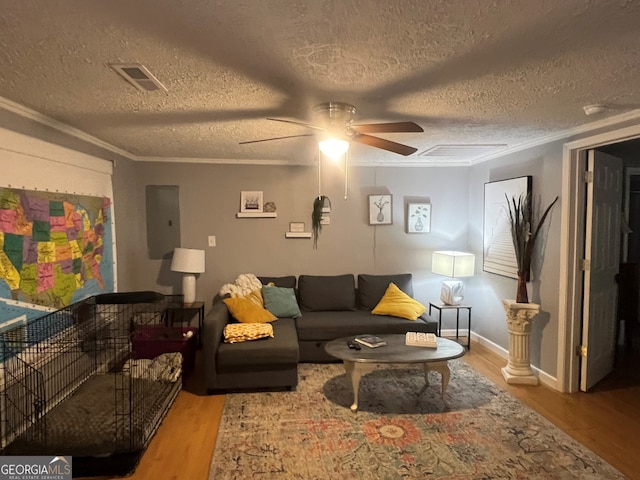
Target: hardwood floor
606	420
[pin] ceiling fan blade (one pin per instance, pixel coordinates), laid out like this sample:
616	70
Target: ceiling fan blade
297	123
277	138
384	144
394	127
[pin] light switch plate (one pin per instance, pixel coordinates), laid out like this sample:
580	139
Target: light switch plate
212	240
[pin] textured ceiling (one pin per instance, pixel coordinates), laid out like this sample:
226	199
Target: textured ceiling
468	71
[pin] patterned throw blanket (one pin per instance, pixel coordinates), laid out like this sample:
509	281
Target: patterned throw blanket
243	286
242	332
163	368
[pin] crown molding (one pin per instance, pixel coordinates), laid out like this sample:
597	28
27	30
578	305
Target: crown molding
27	112
223	161
412	164
562	135
280	162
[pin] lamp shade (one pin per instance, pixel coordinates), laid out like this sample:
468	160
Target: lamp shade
188	260
453	264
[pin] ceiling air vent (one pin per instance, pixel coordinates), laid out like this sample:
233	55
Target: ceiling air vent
461	153
139	76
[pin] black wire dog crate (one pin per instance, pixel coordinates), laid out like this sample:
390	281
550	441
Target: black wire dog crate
70	383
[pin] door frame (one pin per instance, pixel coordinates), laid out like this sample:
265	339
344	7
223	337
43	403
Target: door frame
572	250
630	172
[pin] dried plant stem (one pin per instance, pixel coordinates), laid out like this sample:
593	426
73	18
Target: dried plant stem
524	241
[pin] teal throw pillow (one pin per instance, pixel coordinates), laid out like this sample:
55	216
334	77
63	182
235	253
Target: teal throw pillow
281	301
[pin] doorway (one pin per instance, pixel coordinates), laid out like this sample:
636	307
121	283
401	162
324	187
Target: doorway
572	248
632	214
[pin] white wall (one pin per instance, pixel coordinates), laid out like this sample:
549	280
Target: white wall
29	163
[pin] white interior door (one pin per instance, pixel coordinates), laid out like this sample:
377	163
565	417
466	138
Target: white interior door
602	254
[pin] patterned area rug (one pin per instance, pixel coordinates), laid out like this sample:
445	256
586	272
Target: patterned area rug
402	430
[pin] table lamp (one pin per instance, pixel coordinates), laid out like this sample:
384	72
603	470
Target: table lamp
188	261
455	265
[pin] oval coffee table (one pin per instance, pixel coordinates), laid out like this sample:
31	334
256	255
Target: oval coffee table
360	362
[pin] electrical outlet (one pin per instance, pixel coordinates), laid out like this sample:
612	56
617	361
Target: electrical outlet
212	240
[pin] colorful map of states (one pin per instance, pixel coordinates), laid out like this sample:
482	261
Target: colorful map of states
49	247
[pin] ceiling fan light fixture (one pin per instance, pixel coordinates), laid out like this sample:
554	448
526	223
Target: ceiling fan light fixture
334	120
333	148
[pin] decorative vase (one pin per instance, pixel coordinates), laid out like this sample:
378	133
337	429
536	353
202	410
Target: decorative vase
522	296
380	217
419	225
519	317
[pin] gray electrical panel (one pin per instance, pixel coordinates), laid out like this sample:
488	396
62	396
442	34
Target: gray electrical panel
163	219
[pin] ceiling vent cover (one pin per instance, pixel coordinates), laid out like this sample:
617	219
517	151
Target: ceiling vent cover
446	153
139	76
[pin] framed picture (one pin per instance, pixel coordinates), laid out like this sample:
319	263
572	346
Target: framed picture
251	201
419	218
296	227
380	210
499	256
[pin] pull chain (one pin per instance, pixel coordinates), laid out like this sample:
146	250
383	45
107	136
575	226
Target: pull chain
319	172
346	174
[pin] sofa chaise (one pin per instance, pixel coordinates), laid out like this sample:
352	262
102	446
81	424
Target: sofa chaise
330	306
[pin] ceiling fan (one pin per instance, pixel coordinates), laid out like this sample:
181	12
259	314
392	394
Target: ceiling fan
335	124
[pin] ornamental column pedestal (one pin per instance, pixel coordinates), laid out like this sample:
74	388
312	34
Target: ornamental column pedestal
519	317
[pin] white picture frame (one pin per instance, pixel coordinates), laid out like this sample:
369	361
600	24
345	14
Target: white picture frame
418	218
251	201
380	209
296	227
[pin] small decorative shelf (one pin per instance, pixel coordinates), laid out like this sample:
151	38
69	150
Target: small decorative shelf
256	215
298	234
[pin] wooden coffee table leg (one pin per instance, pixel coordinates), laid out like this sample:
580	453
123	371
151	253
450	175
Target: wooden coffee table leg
443	369
356	370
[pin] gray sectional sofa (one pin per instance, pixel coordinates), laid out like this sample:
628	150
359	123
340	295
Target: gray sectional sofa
331	307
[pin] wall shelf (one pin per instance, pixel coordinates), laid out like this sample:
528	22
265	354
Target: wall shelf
256	215
298	234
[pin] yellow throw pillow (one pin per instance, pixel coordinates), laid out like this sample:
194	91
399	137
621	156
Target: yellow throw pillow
244	310
396	303
242	332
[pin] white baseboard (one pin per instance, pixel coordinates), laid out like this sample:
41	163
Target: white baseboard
545	378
